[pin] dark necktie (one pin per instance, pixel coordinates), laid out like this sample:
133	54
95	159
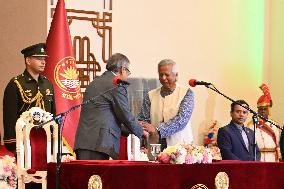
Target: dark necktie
245	137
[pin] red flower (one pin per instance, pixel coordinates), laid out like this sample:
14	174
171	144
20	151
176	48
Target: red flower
164	158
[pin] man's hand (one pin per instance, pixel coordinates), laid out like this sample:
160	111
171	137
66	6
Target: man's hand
149	128
145	134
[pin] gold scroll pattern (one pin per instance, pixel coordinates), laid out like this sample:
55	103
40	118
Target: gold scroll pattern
87	66
105	4
86	61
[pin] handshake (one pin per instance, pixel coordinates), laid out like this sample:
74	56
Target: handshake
150	132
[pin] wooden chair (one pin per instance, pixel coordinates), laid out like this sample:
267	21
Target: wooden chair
35	147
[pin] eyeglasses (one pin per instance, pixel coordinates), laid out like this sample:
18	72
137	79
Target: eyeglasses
128	71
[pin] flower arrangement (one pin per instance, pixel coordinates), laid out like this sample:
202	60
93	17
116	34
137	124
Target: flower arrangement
216	154
188	154
35	115
210	138
8	177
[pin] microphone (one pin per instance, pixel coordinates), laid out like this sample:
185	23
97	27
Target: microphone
194	82
119	82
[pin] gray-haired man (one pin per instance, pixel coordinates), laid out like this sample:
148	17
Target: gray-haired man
99	130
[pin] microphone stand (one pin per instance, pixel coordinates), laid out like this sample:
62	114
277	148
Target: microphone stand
254	120
60	121
254	117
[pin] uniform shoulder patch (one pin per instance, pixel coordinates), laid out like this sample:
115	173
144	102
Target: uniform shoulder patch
18	77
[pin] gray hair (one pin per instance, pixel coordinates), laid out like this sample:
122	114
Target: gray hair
116	61
169	62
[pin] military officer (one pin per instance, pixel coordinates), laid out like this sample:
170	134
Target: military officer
25	91
267	135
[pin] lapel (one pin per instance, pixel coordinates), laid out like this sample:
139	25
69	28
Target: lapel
250	140
239	135
249	133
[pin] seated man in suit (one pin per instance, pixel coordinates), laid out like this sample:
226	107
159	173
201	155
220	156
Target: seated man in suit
235	140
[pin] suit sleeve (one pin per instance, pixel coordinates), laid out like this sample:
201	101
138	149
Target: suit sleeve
225	145
10	115
123	113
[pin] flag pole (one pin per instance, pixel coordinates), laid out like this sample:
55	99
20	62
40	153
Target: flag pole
62	72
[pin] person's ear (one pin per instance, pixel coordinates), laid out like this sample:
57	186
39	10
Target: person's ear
120	71
28	60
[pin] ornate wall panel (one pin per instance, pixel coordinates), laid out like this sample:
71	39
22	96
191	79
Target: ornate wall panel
91	32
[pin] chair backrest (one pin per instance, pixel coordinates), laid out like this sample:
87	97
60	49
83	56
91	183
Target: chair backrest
35	146
137	90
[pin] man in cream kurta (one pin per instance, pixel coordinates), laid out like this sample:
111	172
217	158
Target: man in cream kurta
267	135
167	109
163	109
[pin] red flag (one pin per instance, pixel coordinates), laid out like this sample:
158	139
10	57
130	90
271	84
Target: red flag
62	72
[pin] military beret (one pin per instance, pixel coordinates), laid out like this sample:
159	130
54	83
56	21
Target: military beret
37	50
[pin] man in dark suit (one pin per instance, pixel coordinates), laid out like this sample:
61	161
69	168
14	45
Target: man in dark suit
236	142
103	119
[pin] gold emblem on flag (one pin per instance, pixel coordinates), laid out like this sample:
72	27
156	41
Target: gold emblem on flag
67	78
